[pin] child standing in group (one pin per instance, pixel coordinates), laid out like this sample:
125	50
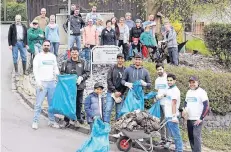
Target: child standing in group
93	104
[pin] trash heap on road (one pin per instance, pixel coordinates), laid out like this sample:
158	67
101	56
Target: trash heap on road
138	120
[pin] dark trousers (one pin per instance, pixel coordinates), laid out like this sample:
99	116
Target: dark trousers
125	49
79	103
194	135
173	55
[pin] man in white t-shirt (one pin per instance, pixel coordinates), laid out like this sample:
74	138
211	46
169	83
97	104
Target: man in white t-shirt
161	86
197	107
45	69
172	105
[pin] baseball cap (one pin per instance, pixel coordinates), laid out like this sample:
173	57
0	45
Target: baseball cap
138	55
138	21
35	21
98	85
193	78
120	55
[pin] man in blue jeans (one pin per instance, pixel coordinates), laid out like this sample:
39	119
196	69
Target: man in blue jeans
76	24
45	69
172	104
17	39
115	88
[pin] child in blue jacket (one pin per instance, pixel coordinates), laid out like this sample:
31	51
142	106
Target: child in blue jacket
93	104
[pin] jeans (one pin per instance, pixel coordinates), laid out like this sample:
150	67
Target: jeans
19	46
174	129
109	106
37	48
48	89
55	48
165	134
73	39
194	135
79	103
173	55
86	54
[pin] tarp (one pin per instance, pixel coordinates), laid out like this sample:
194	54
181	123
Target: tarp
99	140
134	99
64	99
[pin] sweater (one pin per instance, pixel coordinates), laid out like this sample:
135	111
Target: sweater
90	35
52	34
147	39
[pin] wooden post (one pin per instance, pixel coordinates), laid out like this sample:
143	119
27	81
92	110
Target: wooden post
4	7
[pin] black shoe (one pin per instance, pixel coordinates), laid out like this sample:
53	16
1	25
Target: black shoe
81	121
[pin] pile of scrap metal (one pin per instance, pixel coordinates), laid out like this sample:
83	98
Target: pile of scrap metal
138	120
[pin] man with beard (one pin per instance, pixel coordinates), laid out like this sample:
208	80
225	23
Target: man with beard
93	15
196	107
161	86
45	70
77	66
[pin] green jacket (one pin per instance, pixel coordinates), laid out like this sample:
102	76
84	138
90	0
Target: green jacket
33	38
147	39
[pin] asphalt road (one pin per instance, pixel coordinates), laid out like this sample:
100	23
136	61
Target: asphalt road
16	118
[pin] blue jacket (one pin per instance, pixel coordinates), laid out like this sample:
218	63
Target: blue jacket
91	106
52	34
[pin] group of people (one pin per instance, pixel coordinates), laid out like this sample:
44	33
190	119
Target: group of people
42	41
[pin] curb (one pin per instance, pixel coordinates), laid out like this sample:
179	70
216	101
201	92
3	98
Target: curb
79	129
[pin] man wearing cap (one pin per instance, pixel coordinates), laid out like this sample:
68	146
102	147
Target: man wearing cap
136	31
76	24
78	66
136	72
129	22
94	104
115	88
196	107
17	39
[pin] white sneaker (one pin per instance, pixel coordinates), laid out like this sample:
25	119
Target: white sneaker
53	124
35	125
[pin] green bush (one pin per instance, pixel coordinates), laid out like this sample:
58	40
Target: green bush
217	38
12	9
217	85
197	44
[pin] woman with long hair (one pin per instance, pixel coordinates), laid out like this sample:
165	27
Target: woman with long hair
115	27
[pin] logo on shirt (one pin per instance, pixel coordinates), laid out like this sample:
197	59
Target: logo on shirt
191	99
161	86
48	62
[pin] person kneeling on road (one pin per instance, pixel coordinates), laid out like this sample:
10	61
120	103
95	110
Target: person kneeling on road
45	70
136	72
94	104
80	67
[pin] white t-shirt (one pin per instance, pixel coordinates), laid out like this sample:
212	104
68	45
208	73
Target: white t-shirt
45	67
161	85
195	99
172	93
100	106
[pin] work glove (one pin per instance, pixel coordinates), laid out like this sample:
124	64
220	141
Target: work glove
144	84
79	80
160	96
129	85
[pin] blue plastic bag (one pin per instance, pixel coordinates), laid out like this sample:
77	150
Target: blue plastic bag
155	109
64	99
150	95
99	140
134	99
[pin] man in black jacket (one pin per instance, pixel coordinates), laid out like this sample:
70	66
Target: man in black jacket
76	24
17	39
115	88
78	66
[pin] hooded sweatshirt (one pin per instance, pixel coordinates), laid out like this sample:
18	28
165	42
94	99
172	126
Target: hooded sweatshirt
130	24
132	74
52	32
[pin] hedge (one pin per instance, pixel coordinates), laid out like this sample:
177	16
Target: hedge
217	38
217	85
12	9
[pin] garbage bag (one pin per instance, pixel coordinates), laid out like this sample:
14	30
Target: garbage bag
99	140
134	99
155	109
64	99
150	95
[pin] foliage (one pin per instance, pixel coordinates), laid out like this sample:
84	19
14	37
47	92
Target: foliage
179	30
14	8
217	38
197	44
219	92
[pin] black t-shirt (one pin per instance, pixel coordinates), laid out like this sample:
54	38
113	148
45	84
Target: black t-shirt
118	85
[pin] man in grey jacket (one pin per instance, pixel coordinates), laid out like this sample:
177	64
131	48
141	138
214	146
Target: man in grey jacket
136	72
170	39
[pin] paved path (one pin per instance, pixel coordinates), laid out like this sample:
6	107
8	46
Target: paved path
16	118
